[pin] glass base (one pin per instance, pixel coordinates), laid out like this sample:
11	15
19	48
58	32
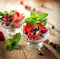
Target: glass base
35	45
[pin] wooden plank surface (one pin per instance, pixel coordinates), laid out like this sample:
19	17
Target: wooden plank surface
24	52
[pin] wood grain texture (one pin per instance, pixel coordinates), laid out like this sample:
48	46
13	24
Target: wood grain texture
24	52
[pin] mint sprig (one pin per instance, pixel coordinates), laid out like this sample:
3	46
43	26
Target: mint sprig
13	42
40	18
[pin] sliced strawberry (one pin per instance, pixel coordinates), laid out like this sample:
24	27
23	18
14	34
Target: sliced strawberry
5	20
37	35
24	28
27	25
6	16
29	29
41	26
15	20
17	13
30	34
2	38
21	17
44	30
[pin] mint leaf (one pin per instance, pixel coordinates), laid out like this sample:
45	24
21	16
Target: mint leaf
41	16
9	48
12	11
45	22
29	20
16	46
12	43
9	41
33	15
16	38
1	14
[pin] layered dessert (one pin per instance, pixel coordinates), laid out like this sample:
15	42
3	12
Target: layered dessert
11	21
35	27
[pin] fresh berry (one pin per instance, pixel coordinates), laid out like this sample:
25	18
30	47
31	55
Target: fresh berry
55	46
6	16
41	53
21	17
2	38
5	20
10	19
30	34
44	30
37	35
15	20
26	33
27	25
24	29
42	34
29	29
17	13
41	26
26	6
8	23
21	2
35	30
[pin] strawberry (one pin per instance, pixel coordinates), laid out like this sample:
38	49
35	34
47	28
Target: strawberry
27	25
37	35
2	38
21	17
17	13
21	2
26	6
5	20
41	26
44	30
24	28
30	34
6	16
15	20
29	29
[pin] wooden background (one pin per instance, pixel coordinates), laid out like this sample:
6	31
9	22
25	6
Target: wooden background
24	52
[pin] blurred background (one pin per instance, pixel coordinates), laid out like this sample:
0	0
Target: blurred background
52	7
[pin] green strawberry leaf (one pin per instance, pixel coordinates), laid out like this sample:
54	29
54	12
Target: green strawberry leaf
16	38
29	20
33	15
41	16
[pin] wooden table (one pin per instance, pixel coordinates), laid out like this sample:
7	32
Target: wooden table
24	52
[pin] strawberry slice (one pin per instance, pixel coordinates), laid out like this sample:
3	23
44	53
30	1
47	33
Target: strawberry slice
29	29
5	20
6	16
17	13
15	20
24	28
31	35
2	38
41	26
21	17
44	30
37	35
